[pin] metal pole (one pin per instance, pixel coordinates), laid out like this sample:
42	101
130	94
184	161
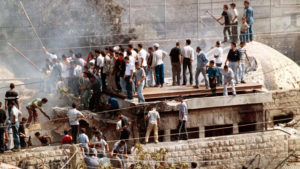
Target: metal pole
165	19
129	14
198	19
270	16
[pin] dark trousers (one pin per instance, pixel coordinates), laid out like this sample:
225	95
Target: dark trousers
103	79
117	80
128	87
176	71
234	29
75	131
187	64
181	127
213	85
124	135
2	130
95	101
226	29
160	75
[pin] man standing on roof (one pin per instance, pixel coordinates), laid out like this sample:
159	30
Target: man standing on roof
248	14
11	96
35	104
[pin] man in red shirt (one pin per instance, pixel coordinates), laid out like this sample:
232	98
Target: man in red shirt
67	139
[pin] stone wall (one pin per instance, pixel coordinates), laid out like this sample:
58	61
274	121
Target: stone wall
232	151
51	156
284	103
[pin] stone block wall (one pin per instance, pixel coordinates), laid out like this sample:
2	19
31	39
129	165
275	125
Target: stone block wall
52	156
232	151
283	103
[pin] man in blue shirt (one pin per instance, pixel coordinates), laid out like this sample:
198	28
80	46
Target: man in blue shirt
201	67
183	117
114	104
248	14
212	72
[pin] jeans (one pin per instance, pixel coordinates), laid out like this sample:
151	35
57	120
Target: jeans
176	71
225	93
234	67
159	72
140	92
123	160
242	71
187	63
243	36
123	84
235	35
213	86
150	82
2	130
151	127
250	33
219	77
128	87
226	29
15	130
75	131
203	72
180	127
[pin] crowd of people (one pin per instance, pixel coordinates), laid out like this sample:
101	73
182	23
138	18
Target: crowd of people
126	71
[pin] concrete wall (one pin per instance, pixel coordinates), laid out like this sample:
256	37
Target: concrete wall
229	151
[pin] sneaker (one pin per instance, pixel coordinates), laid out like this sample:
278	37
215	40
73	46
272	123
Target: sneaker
243	81
196	87
234	94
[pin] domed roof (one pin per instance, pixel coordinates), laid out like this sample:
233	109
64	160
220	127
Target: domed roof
269	67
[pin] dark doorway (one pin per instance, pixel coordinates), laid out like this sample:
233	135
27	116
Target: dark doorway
245	127
218	130
283	118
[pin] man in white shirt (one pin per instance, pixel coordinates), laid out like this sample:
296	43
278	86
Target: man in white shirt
218	57
188	58
128	77
228	80
100	144
133	52
183	117
158	64
154	120
74	116
15	115
234	22
50	55
142	56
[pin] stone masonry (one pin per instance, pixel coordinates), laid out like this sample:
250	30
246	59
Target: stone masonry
232	151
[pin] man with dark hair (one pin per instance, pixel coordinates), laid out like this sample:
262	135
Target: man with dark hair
124	130
150	70
176	61
121	148
248	14
228	80
96	92
35	104
14	117
117	70
234	22
188	58
22	133
2	128
115	161
11	96
83	140
234	57
201	67
74	116
227	22
218	55
158	64
140	76
212	72
128	77
67	139
133	52
43	139
183	117
142	55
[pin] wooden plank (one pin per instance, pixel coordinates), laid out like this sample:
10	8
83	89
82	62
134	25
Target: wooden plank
189	91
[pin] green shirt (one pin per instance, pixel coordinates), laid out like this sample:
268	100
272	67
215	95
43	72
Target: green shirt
37	101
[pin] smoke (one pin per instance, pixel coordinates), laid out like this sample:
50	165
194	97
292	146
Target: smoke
60	24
